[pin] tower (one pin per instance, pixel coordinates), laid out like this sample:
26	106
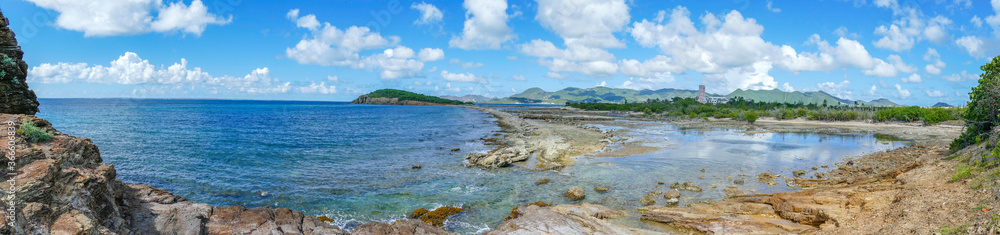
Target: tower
701	94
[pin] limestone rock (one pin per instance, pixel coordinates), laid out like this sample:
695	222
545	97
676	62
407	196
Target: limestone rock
585	218
575	193
401	227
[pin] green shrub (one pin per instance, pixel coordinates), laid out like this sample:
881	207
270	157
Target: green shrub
33	133
937	115
982	111
750	117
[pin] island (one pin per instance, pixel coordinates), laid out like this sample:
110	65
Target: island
401	97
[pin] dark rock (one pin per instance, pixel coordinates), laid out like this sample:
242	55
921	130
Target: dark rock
15	97
542	181
672	194
647	200
738	181
798	173
400	227
602	189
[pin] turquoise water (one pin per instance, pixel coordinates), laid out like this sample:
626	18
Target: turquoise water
353	162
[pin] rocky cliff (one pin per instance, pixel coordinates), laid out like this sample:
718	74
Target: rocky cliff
15	97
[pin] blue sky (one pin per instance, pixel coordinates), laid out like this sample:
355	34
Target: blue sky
917	52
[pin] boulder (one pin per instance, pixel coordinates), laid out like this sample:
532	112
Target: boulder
15	97
575	193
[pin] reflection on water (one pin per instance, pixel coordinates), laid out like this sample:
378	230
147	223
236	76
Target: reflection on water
353	162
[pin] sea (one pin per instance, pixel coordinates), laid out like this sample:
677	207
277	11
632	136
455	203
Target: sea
354	163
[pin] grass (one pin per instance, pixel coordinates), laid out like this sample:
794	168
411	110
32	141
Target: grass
995	221
953	230
33	133
962	171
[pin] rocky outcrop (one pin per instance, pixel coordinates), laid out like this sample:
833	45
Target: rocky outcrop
366	99
400	227
584	218
575	193
15	97
62	187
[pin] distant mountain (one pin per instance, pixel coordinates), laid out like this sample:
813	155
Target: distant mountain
942	104
810	97
597	94
618	95
470	98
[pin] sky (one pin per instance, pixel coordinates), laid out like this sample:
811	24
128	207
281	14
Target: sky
913	52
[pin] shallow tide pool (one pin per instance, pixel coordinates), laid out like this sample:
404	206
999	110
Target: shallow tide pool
353	162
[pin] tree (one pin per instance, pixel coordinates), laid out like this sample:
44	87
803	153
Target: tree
751	117
983	107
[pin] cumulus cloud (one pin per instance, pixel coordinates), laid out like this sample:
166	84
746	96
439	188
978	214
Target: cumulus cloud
466	65
961	77
130	69
902	93
752	77
320	88
460	77
587	29
936	66
429	14
127	17
787	87
895	65
913	78
332	46
909	28
840	90
485	25
430	54
974	45
659	66
934	93
872	90
978	22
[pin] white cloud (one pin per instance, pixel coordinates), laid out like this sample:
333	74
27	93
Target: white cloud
587	29
873	90
518	78
913	78
466	65
430	54
429	14
935	67
460	77
308	21
842	32
130	69
973	45
602	84
994	20
330	46
978	22
485	25
333	79
909	28
934	93
889	69
787	87
126	17
555	75
320	88
733	41
752	77
902	93
839	90
659	66
961	77
772	9
588	23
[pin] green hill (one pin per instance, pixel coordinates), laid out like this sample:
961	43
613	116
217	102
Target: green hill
384	96
814	97
597	94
